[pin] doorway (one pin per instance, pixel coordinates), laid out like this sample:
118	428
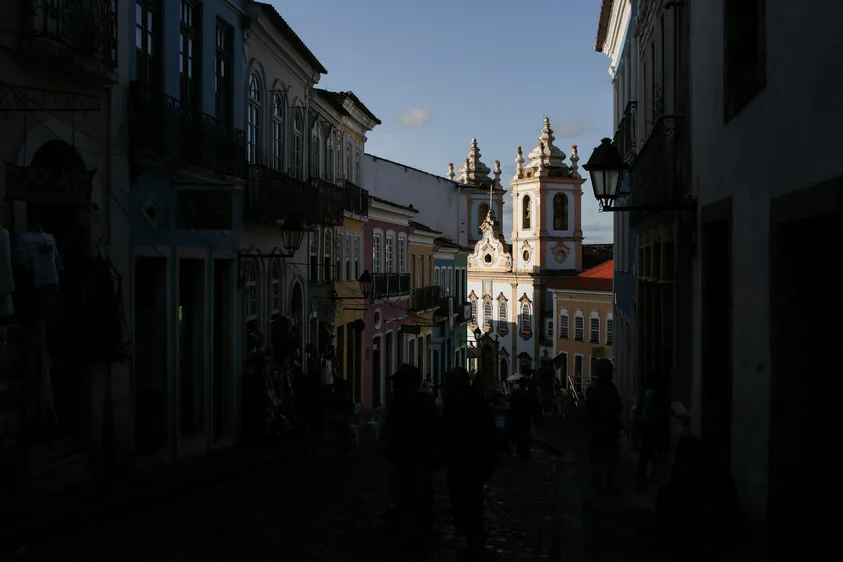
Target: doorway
191	325
504	370
376	372
223	349
152	351
716	332
803	313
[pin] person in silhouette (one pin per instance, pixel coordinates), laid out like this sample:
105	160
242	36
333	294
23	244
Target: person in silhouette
653	426
470	451
411	433
604	407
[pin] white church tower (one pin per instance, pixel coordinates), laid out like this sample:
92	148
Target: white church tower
547	209
507	283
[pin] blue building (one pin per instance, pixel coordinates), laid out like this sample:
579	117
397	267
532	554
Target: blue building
188	170
450	320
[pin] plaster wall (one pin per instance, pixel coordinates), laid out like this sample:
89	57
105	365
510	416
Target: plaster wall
805	130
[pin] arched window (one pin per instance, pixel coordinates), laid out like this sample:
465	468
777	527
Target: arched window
329	161
482	211
525	212
275	286
473	311
560	211
338	153
314	151
487	314
503	317
278	132
251	286
526	322
327	255
297	143
254	118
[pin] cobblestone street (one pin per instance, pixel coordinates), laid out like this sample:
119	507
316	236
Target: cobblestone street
315	509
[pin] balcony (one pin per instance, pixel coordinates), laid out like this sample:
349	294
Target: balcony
656	174
79	28
626	137
356	199
274	196
426	298
160	125
330	202
386	285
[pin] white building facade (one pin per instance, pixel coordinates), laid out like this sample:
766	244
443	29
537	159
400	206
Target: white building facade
507	283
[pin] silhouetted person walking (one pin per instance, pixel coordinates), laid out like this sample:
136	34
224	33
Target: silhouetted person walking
470	454
653	426
604	407
412	431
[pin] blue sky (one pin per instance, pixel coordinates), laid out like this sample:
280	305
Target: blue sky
440	72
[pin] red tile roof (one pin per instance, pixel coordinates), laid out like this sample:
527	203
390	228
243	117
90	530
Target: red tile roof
600	278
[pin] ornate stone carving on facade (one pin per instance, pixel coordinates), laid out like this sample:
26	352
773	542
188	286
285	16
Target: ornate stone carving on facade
525	246
575	167
519	165
451	174
498	174
547	155
560	251
489	251
474	170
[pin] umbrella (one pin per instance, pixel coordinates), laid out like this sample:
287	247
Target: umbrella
514	377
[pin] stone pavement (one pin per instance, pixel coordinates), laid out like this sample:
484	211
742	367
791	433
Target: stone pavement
312	508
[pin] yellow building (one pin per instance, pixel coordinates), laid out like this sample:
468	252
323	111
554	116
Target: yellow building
425	295
350	308
582	309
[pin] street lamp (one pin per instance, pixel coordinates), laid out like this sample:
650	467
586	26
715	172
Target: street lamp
366	284
292	233
606	168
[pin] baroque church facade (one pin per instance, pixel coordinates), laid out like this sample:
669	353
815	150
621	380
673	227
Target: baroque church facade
509	282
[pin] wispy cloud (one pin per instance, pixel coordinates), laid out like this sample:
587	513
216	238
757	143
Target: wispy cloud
569	129
414	117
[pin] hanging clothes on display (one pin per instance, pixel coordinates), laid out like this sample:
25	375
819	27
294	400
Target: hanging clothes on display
41	256
7	279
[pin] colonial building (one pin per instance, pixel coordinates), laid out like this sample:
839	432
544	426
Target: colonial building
585	323
387	233
442	206
767	261
304	150
188	155
508	283
63	183
616	38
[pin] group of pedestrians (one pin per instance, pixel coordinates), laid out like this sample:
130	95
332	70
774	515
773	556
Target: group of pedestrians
420	441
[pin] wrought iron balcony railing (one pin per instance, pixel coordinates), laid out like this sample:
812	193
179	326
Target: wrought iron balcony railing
626	137
272	195
330	202
657	171
390	285
162	126
87	27
356	199
425	298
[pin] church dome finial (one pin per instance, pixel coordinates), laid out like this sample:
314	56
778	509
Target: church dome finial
474	170
451	174
519	165
546	155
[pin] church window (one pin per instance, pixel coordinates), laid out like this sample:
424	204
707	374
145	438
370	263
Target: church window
526	319
503	326
487	314
560	211
525	213
563	325
473	311
482	211
488	258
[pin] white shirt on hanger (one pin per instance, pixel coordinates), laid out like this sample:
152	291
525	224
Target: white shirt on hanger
42	255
